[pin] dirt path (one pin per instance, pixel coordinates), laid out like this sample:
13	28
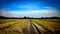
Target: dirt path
26	27
34	28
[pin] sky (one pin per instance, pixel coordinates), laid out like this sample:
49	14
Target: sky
30	8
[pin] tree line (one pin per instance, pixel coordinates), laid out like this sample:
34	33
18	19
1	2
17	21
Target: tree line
2	17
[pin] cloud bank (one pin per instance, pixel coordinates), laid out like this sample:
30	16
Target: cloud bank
32	13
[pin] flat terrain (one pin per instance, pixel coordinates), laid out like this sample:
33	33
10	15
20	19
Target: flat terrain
29	26
51	24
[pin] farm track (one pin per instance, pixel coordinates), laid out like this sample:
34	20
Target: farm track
26	27
34	28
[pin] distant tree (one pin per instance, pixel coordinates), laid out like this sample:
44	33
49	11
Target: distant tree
25	17
47	17
2	17
28	17
31	17
54	17
41	17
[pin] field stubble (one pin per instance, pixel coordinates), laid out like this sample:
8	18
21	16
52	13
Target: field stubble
51	24
12	26
16	26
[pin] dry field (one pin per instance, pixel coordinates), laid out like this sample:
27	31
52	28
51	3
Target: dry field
16	26
12	26
51	24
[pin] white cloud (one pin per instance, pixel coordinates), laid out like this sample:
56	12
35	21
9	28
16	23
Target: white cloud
33	13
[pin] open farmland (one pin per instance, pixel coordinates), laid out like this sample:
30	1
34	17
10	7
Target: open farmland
51	24
12	26
29	26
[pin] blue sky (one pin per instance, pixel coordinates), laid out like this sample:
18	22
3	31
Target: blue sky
31	8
